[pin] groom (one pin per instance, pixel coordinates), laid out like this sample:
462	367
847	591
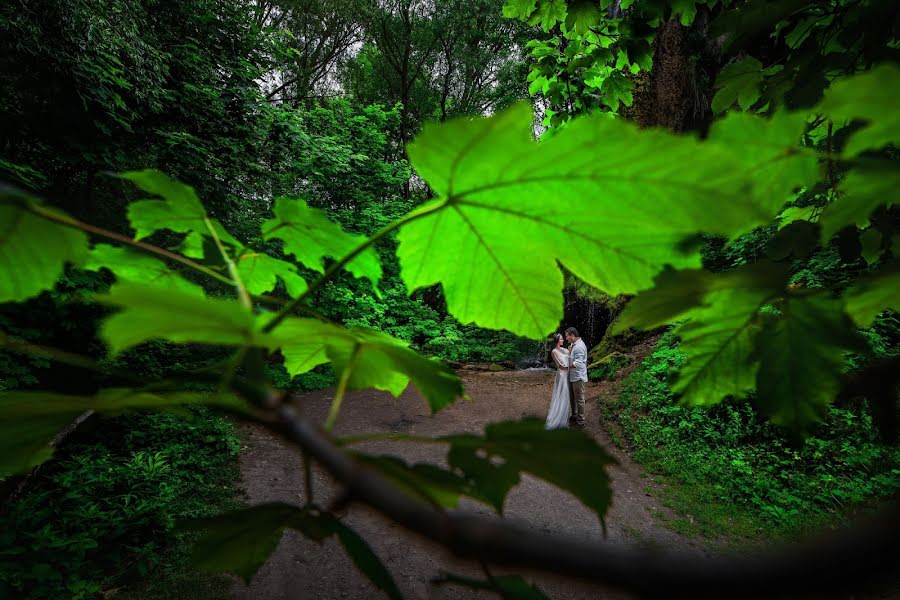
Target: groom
577	377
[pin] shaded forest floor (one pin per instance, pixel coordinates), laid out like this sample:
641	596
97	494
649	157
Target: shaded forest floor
299	568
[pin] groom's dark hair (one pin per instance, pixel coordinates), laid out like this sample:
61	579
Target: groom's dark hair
573	331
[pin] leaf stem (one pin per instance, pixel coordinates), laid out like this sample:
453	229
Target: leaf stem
149	248
232	268
340	392
337	266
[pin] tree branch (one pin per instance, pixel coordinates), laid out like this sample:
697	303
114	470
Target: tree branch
840	562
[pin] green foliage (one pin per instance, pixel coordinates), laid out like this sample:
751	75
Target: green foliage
241	541
33	250
607	367
309	236
101	515
729	469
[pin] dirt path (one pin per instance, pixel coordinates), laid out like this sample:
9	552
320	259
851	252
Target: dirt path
301	569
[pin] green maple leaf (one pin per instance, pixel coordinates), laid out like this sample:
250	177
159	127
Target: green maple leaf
179	210
519	9
131	266
261	272
874	294
865	188
770	152
29	420
366	358
582	15
33	250
738	82
548	14
310	237
801	359
566	458
614	222
617	88
871	97
721	313
153	313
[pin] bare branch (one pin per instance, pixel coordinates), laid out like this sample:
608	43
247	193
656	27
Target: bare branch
838	562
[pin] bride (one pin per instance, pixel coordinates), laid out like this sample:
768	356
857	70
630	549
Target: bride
559	403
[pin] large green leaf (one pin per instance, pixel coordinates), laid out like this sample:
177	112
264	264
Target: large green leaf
865	188
134	267
548	14
770	154
610	202
738	82
152	313
871	97
429	482
33	250
679	295
873	294
801	359
617	88
261	272
569	459
311	237
241	541
721	313
29	420
368	359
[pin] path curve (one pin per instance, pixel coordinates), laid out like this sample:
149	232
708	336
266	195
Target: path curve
272	471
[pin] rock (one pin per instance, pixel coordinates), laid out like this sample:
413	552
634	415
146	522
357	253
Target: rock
494	367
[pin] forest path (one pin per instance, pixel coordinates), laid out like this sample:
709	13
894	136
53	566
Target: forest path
272	471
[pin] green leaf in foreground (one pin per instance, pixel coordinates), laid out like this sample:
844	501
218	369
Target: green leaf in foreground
865	188
873	294
801	359
368	359
770	154
179	210
569	459
610	202
134	267
310	237
872	97
29	420
241	541
152	313
429	482
33	250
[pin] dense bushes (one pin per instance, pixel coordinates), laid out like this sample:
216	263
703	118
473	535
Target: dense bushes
103	512
731	456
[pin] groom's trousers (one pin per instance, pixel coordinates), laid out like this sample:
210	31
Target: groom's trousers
576	402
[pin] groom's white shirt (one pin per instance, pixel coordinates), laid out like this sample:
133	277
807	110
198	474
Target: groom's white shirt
578	361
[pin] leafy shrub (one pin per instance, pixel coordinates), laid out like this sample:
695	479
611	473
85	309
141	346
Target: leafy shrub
103	512
607	367
744	461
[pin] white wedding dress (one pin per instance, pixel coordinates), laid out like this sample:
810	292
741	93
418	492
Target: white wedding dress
559	403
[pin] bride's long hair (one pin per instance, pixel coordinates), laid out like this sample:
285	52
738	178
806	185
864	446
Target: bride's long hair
553	345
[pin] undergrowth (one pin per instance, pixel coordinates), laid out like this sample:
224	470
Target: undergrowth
101	516
728	472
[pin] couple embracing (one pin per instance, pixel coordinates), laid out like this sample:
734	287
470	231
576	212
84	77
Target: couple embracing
567	403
